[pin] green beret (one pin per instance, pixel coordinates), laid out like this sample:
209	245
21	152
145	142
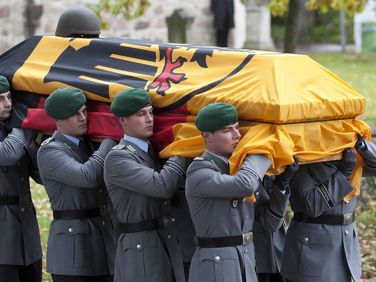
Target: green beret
64	102
129	102
215	116
4	84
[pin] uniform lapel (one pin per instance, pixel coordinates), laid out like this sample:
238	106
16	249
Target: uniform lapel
146	159
221	164
84	156
321	172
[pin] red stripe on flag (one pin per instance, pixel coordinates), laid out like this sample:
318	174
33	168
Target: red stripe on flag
163	123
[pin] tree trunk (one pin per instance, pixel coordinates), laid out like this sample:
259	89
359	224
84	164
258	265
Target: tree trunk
342	29
292	26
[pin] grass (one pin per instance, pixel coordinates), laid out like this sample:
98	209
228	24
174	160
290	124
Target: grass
360	73
44	213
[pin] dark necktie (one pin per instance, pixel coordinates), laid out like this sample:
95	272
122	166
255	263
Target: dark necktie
84	146
153	156
151	152
3	130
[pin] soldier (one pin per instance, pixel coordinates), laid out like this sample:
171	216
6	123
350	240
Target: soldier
223	219
20	247
78	21
268	244
185	230
147	248
322	239
81	246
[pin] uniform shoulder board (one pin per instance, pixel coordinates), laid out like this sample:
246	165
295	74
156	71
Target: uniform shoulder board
48	140
198	159
118	147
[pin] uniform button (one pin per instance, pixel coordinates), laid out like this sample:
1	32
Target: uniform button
346	232
173	219
217	258
246	215
70	229
257	193
138	246
22	179
246	251
306	239
169	236
103	222
100	191
22	209
234	203
165	203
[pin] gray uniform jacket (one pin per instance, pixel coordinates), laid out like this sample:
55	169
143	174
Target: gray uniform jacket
185	230
268	244
73	180
322	252
19	236
217	209
140	192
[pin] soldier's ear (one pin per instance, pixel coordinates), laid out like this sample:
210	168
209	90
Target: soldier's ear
122	121
206	136
58	123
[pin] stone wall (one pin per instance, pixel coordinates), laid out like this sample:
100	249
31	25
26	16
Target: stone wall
151	26
12	29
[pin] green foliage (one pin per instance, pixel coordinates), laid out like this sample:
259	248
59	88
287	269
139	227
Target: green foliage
326	28
349	6
280	7
278	29
129	9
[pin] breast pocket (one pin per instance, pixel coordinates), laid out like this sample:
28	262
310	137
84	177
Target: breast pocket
312	252
72	243
220	264
145	258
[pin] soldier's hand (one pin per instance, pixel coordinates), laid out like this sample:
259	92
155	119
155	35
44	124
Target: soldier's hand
347	163
361	145
183	162
282	180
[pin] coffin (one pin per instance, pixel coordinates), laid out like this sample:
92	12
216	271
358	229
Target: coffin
288	104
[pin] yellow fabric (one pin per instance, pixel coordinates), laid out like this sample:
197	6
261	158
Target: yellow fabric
310	142
264	86
282	88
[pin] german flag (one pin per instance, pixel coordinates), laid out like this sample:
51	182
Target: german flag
288	104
